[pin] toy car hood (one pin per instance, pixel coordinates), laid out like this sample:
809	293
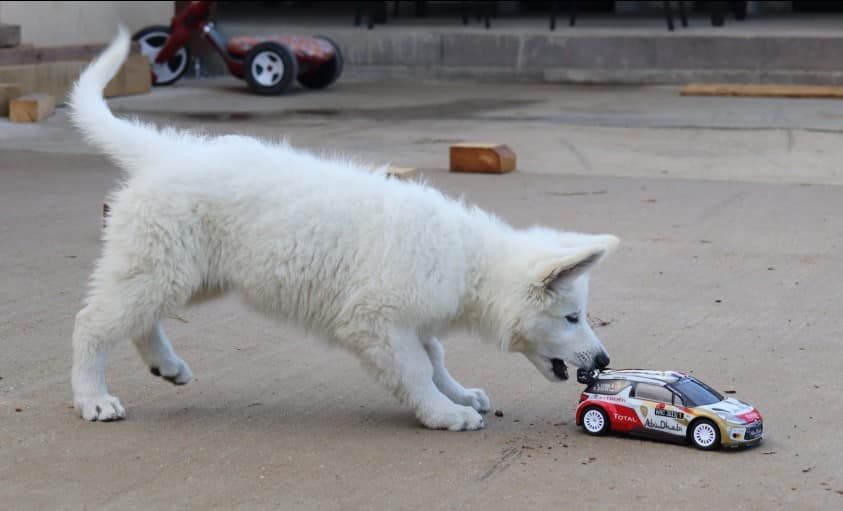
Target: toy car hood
735	407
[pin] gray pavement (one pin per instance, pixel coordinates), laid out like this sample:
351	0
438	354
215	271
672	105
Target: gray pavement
729	214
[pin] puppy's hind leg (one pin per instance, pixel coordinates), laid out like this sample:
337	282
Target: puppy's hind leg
122	304
403	365
155	349
475	398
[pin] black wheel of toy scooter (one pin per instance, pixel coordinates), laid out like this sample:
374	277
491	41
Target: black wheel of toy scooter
270	68
595	421
705	435
328	72
151	40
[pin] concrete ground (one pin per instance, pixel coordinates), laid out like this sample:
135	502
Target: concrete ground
730	215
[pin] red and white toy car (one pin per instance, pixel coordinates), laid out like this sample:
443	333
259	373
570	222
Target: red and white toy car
666	405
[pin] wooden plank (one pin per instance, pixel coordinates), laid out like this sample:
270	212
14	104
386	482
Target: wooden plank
9	35
762	90
56	78
8	92
28	54
32	107
482	157
402	173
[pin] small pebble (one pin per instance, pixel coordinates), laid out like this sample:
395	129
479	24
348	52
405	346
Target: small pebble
18	409
498	413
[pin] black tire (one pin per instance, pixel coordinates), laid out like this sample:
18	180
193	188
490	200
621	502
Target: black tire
704	434
270	68
595	421
154	37
328	72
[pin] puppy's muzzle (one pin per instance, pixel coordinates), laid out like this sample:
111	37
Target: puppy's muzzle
559	368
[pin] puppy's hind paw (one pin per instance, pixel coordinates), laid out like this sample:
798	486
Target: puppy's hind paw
103	408
176	372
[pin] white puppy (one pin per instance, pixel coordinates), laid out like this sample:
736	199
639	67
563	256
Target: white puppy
377	265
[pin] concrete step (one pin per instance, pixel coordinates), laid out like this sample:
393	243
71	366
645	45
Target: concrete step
9	36
579	56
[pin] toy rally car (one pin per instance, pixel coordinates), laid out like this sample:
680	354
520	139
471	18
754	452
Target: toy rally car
667	405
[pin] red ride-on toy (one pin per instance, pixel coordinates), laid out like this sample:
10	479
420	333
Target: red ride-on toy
268	64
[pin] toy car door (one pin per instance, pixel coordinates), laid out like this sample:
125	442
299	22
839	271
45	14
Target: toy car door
657	411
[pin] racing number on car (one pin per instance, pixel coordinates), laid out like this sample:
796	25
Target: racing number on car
665	418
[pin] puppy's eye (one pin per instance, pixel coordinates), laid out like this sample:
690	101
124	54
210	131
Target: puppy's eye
572	318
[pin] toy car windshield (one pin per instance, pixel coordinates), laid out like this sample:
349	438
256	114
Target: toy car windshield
696	393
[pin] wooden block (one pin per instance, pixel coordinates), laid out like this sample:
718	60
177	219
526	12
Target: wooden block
32	107
134	78
482	157
762	90
8	92
402	173
9	35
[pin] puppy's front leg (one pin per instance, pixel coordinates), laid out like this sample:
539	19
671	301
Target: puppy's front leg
475	398
405	368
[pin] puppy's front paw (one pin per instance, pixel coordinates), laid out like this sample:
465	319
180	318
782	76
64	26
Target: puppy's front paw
477	399
453	417
103	408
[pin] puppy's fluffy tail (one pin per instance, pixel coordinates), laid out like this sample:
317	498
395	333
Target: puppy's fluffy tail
128	142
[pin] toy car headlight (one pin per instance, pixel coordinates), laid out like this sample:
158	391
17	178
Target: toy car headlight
731	418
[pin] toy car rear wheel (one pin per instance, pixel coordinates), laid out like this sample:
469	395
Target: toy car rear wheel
705	435
328	72
270	68
595	421
151	40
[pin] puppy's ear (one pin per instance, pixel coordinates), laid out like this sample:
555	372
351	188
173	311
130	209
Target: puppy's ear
549	273
575	240
607	241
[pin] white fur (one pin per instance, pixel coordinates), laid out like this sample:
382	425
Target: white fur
377	265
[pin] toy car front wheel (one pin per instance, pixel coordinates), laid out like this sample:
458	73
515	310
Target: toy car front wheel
270	68
705	435
327	72
595	421
151	40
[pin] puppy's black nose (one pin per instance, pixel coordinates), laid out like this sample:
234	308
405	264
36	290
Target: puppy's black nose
601	360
